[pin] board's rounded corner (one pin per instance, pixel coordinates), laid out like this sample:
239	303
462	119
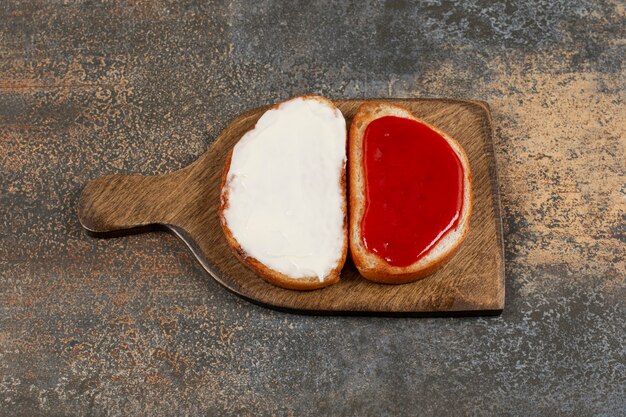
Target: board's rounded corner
481	108
483	104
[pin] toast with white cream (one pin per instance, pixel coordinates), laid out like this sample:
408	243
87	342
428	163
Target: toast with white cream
283	196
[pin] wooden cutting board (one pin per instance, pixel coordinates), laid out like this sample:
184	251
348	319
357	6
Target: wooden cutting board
186	203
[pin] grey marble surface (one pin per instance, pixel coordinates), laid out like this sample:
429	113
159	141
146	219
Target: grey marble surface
134	326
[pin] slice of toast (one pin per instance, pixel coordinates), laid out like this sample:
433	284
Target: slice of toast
371	265
283	195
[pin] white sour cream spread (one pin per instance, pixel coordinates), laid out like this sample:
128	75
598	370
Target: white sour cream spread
285	202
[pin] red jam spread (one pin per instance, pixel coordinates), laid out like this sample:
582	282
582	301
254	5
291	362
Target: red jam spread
413	189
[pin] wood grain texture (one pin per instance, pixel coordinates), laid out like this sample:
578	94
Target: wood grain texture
186	202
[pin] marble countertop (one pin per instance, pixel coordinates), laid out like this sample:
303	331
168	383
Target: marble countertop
134	326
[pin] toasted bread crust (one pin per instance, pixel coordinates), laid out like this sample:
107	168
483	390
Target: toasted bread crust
370	265
270	275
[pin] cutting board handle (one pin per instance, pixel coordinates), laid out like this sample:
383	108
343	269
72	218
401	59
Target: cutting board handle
120	202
